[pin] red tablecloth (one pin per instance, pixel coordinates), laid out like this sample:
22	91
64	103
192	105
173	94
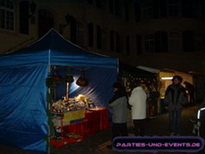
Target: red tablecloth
96	119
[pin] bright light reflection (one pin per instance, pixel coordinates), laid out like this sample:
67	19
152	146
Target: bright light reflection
166	78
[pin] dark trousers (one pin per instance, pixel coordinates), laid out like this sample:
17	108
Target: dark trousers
192	99
139	128
119	129
175	121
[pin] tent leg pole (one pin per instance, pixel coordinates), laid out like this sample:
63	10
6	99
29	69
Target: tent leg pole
67	90
48	112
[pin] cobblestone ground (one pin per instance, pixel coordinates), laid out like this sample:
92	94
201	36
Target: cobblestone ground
97	143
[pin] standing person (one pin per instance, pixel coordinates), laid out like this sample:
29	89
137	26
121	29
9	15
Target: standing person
138	101
118	105
175	98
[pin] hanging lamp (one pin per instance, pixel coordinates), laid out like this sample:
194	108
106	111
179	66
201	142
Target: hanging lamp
69	76
82	80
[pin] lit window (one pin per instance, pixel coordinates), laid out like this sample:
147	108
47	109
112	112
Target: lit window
6	15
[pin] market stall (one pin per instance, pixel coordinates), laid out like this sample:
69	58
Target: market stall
130	75
28	93
164	79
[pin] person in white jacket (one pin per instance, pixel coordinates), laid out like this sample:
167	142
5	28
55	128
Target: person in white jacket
138	100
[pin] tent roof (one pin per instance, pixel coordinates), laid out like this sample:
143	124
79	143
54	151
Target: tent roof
54	49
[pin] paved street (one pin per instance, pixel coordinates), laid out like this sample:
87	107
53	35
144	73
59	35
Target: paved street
97	143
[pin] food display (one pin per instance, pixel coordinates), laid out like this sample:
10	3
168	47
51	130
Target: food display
68	111
75	118
72	104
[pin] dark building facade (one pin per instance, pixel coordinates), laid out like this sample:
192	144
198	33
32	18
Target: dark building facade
154	33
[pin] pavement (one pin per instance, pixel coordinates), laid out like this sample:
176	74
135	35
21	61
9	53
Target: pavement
97	143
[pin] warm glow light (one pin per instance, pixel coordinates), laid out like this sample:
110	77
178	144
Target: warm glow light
166	78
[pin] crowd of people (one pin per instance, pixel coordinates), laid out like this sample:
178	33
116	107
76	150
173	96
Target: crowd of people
136	102
120	105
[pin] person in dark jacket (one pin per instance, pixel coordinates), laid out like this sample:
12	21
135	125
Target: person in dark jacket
175	99
118	105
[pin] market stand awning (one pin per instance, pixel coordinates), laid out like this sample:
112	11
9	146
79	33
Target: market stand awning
126	69
149	69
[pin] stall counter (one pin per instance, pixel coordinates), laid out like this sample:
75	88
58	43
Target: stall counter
95	119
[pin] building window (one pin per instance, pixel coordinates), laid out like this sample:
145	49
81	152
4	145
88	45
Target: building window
90	1
23	17
137	11
118	44
114	7
197	42
174	42
161	42
73	29
99	3
139	44
187	8
99	37
188	41
90	35
147	9
115	42
203	41
126	9
112	41
127	45
149	43
7	15
80	33
162	9
203	10
173	8
45	21
111	6
104	40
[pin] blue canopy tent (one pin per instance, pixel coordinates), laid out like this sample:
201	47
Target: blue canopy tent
23	90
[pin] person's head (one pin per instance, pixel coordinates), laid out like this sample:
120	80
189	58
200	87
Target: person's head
177	79
136	84
116	86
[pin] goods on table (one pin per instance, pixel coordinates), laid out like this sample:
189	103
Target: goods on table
72	104
69	111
